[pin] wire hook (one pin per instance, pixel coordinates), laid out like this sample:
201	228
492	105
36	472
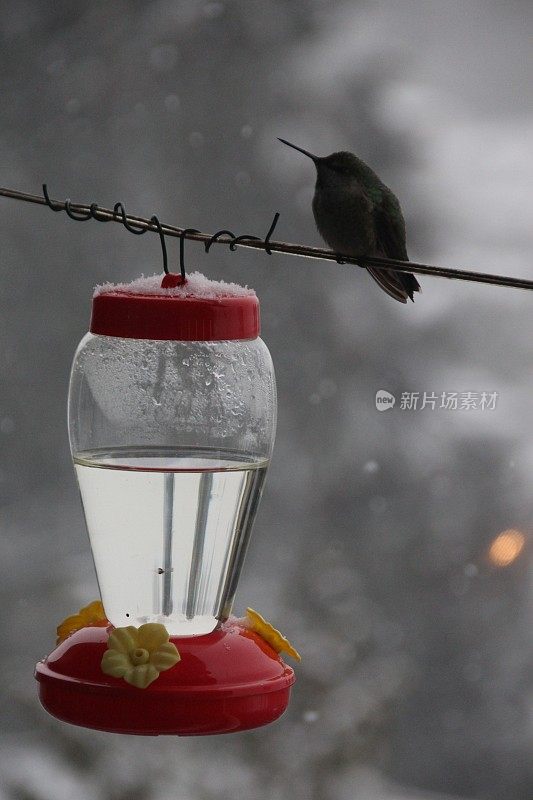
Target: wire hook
216	236
49	203
182	236
79	216
93	208
157	224
118	209
270	232
119	215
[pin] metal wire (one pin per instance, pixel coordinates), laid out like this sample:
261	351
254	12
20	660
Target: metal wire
82	212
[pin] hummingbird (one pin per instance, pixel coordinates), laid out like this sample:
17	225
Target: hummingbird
357	216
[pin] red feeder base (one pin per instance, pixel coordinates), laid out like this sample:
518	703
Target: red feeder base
229	680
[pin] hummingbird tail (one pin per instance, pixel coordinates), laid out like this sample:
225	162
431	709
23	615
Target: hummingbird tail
410	283
398	285
390	283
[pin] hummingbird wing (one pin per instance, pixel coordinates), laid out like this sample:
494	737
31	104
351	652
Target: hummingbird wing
390	240
390	227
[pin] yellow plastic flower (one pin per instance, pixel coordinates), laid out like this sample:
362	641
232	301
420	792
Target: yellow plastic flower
139	654
91	615
275	639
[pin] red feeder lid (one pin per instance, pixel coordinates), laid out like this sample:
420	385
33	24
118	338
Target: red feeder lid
227	681
198	309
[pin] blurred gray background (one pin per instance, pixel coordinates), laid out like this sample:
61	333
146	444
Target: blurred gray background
371	546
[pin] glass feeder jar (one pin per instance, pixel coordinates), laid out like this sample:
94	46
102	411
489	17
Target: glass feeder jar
172	416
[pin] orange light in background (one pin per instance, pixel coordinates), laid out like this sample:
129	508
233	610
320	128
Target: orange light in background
506	547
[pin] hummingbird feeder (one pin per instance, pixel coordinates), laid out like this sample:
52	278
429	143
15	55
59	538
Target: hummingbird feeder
172	415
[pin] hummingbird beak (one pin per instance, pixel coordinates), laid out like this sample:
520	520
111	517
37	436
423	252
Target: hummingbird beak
301	150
